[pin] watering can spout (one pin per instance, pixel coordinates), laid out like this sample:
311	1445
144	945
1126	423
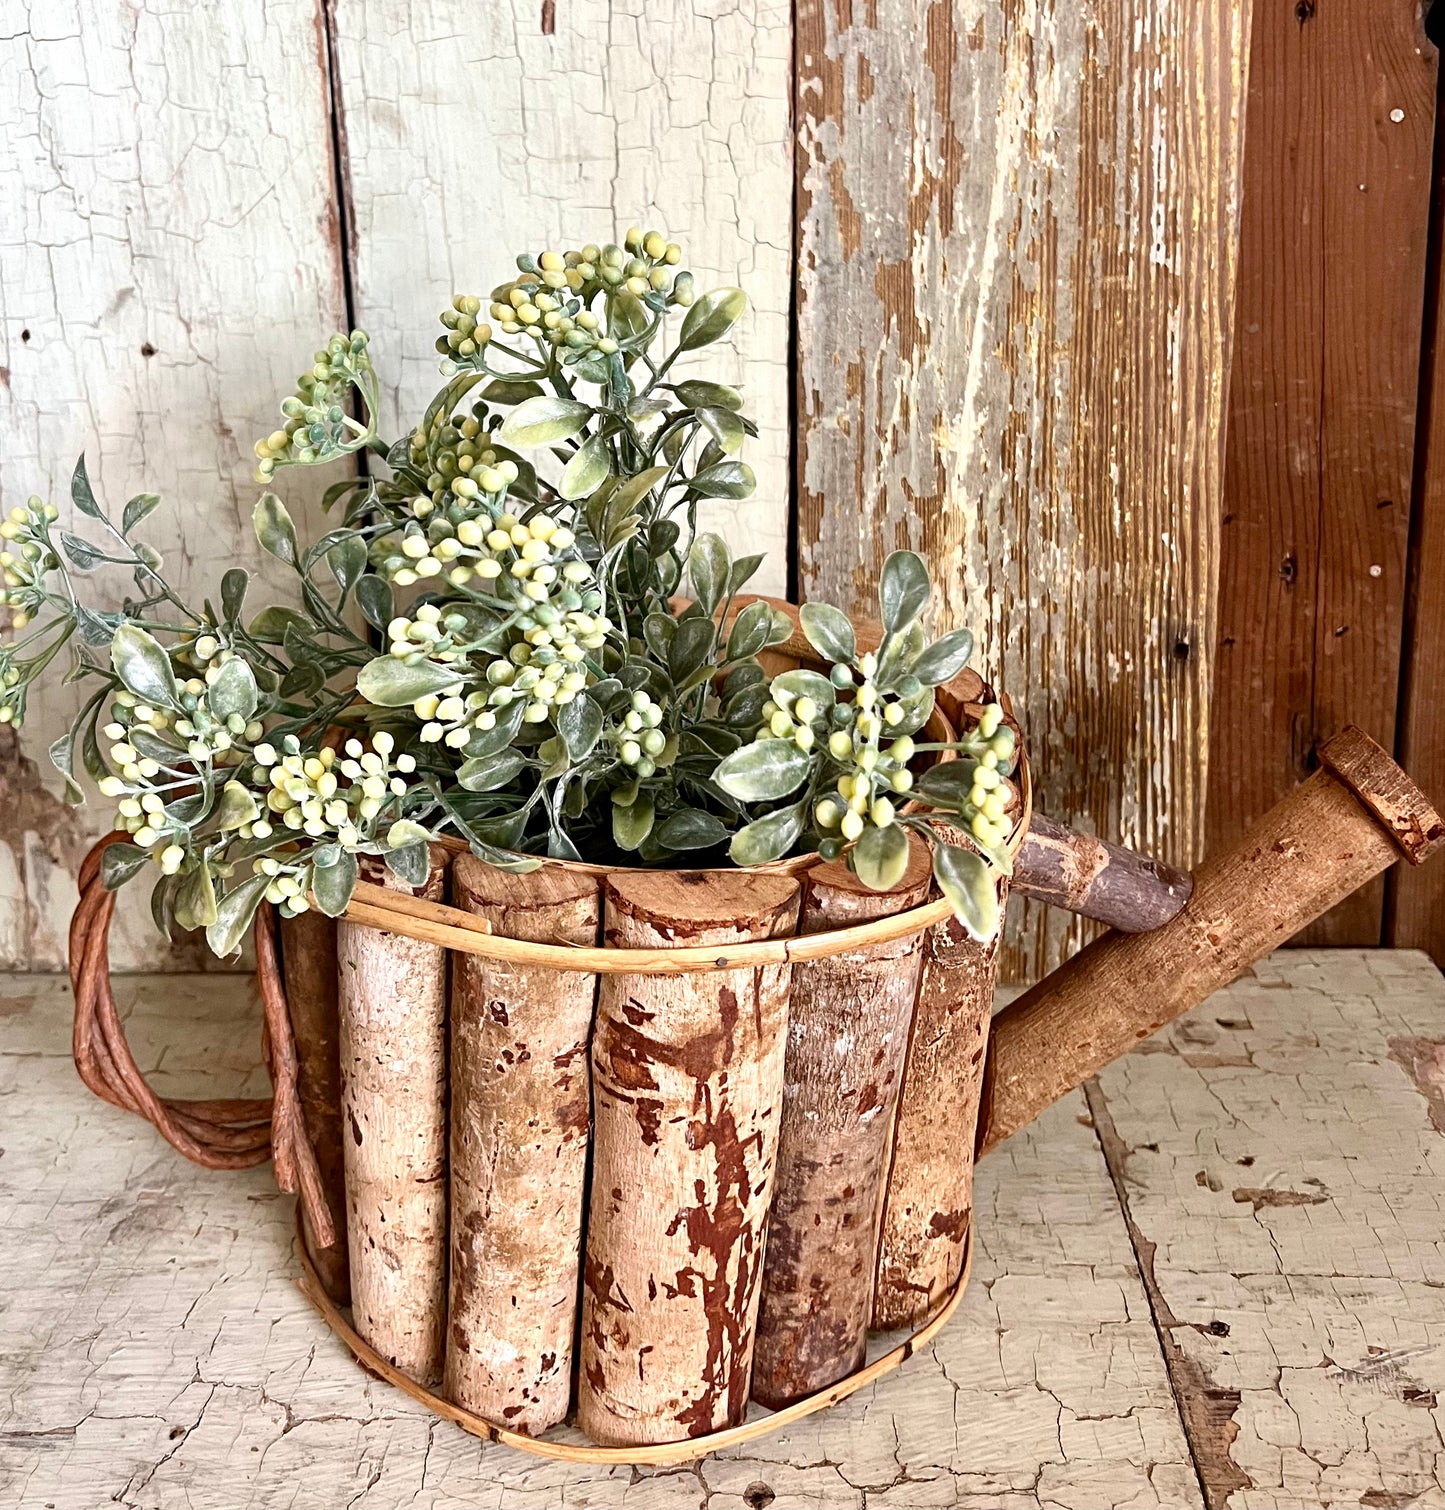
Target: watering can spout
1357	815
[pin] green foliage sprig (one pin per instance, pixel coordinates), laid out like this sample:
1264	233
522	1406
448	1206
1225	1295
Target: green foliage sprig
489	641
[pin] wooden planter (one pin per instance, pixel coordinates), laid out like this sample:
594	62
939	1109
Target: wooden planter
674	1100
647	1152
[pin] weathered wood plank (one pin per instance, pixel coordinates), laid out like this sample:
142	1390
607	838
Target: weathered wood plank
468	143
1280	1151
1322	405
158	1353
168	260
1017	229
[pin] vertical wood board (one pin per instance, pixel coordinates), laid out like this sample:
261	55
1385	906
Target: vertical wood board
168	262
1322	405
465	144
1016	257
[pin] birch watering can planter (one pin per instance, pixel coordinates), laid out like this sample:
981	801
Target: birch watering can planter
682	1156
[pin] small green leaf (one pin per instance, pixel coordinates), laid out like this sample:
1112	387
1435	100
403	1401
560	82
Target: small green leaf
633	823
510	390
275	530
233	691
234	915
829	632
196	899
699	395
944	658
742	573
233	593
749	633
580	725
332	885
725	427
769	838
586	470
82	495
792	685
880	857
411	863
708	564
502	733
82	554
62	757
903	589
691	829
347	560
144	667
238	805
764	771
725	479
711	317
543	421
658	630
969	885
374	599
119	862
486	773
389	683
270	625
948	783
137	509
691	645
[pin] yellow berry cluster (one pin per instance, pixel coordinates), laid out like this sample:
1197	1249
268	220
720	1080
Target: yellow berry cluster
461	467
317	426
307	795
24	561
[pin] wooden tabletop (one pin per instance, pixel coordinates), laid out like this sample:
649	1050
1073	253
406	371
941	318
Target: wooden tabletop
1215	1277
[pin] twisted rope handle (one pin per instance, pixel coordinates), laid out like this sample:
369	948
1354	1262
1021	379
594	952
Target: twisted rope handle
217	1134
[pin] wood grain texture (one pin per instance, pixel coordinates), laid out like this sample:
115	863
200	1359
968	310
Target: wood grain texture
168	260
1322	405
1017	236
209	1381
393	1010
521	1114
687	1088
469	140
848	1036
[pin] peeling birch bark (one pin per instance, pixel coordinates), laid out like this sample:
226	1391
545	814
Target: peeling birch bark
308	966
928	1208
393	999
520	1114
687	1090
848	1026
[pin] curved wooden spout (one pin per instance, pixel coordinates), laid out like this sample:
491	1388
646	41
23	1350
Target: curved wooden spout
1353	818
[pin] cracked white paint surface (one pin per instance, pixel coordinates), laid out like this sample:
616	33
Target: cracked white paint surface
158	1354
1284	1149
167	264
468	143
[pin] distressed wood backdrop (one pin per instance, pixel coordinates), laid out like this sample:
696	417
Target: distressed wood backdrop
991	247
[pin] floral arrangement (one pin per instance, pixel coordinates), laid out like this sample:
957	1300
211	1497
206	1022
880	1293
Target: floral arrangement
489	641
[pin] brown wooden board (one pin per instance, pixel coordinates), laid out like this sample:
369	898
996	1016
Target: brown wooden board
1415	908
1015	285
1322	405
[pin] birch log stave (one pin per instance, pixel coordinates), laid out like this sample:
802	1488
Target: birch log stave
520	1113
393	999
848	1026
687	1089
928	1205
308	967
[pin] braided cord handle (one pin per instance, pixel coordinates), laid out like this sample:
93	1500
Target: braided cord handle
217	1134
